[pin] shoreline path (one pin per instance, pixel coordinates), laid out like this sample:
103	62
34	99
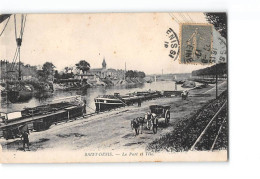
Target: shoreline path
111	130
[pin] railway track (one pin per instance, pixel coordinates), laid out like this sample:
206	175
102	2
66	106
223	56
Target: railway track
208	137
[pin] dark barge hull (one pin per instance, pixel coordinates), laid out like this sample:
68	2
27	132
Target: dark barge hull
107	106
40	122
19	96
111	103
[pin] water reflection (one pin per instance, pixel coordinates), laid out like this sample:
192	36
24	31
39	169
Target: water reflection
89	94
42	97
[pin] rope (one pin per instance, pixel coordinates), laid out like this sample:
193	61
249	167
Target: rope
15	27
14	59
91	108
23	25
23	21
5	26
121	100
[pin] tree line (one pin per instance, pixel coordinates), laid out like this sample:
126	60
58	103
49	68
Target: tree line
48	72
219	69
135	74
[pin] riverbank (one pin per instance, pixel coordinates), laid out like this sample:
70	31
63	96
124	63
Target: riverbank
34	85
111	130
188	130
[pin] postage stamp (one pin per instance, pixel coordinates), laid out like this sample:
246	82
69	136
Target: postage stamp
196	43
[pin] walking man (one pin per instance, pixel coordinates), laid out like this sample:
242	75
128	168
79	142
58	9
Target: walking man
184	95
139	103
25	139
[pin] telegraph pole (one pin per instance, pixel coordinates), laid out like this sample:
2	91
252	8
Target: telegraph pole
125	71
216	81
1	71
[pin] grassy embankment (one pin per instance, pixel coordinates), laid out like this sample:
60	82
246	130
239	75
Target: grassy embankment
188	130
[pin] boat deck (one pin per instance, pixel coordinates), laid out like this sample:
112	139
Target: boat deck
30	119
16	122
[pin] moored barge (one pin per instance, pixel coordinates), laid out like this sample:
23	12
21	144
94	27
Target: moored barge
107	102
38	118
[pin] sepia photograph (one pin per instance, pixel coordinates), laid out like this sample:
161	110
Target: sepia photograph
114	87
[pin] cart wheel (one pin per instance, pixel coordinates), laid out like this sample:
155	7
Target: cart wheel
155	126
155	129
167	117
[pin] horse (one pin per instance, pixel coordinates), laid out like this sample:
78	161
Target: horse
137	125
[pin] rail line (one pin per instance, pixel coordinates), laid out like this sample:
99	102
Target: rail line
213	145
205	129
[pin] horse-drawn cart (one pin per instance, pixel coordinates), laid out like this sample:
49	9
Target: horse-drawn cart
158	113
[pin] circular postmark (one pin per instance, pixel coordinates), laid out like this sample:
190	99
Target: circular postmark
172	43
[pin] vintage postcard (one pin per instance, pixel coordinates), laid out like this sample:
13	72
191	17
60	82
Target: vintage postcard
113	87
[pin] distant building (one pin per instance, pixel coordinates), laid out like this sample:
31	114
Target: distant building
104	64
82	76
106	73
99	72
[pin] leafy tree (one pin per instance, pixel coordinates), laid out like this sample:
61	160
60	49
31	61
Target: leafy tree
66	69
129	74
48	68
219	20
135	74
47	71
141	74
70	69
56	74
83	66
41	75
221	70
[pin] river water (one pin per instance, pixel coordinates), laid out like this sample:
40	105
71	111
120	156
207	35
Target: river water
89	94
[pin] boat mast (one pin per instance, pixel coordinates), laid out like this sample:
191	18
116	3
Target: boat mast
19	62
19	68
3	17
19	43
125	72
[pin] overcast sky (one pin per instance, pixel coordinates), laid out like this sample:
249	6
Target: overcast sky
64	39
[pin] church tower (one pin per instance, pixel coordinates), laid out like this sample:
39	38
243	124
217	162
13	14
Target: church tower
104	64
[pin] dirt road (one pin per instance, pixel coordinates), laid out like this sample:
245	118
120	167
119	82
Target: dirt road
112	129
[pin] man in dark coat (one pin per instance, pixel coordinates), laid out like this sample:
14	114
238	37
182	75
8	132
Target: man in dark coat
139	103
25	139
